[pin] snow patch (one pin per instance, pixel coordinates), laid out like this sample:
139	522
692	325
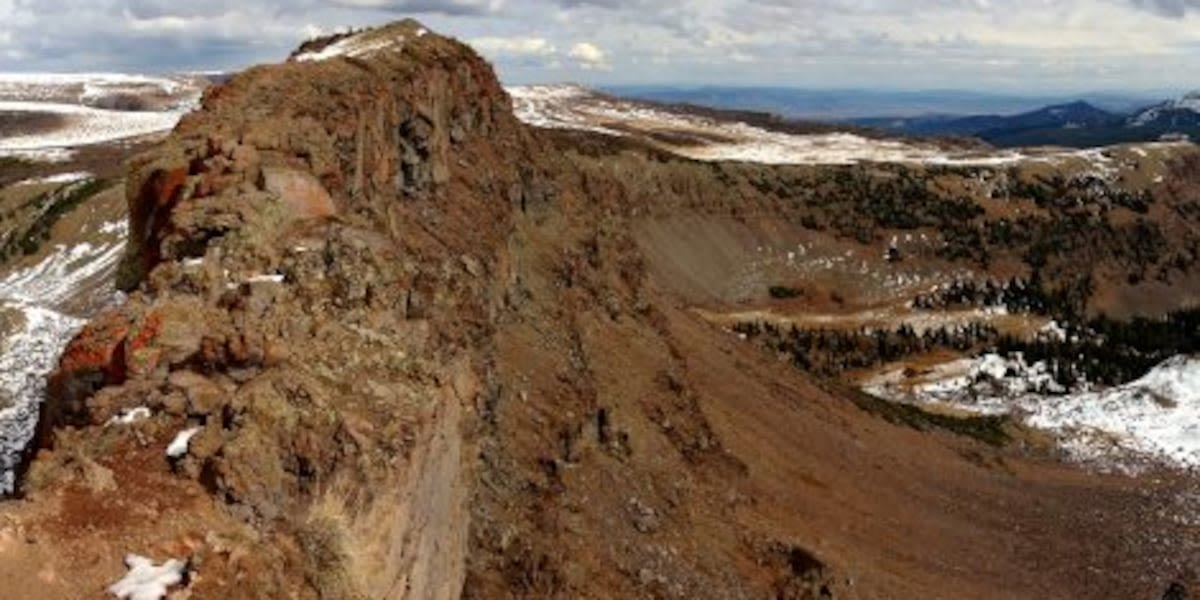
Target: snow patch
147	581
59	178
547	106
983	385
1156	416
34	296
44	155
1053	331
356	46
576	107
26	357
273	278
60	275
178	447
34	85
1190	102
119	228
1155	419
130	416
84	126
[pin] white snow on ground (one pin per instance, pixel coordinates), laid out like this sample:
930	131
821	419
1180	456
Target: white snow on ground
26	356
1155	419
1099	159
57	278
45	155
268	278
550	106
118	228
764	147
31	350
983	385
147	581
1054	331
85	126
82	98
178	448
130	416
1157	415
1190	102
355	46
59	178
47	86
576	107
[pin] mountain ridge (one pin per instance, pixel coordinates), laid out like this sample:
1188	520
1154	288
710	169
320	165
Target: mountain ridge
853	104
1077	123
412	347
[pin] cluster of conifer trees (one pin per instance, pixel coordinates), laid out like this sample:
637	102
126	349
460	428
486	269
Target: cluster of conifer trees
831	352
1106	351
1018	295
1066	193
1100	351
51	207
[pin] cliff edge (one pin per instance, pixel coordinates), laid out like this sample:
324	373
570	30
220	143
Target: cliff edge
384	341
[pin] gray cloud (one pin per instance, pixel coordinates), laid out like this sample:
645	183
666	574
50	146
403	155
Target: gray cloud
1168	8
1018	45
150	9
614	4
448	7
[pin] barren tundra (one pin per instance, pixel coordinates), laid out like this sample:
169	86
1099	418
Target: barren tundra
381	339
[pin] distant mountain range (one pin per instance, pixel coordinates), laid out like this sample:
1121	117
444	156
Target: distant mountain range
845	104
1078	124
1073	115
1001	120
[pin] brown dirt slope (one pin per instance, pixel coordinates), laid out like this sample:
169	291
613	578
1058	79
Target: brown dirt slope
429	359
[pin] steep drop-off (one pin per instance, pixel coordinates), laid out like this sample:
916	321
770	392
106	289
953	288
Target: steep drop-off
426	354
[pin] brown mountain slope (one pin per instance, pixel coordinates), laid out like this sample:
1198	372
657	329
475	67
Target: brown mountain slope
429	357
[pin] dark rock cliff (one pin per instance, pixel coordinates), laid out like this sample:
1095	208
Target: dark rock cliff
428	358
315	264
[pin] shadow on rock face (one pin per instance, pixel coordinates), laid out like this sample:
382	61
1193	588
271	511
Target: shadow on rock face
1176	592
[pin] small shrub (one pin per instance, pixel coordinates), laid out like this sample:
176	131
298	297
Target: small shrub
783	292
53	206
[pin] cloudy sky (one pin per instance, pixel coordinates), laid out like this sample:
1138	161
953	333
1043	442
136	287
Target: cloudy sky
1034	46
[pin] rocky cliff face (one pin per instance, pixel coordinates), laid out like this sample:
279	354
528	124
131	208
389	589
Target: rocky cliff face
315	265
421	353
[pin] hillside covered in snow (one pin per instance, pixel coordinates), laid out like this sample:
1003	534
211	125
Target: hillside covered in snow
717	136
51	115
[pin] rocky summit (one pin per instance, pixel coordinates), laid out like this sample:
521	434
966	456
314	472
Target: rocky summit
383	340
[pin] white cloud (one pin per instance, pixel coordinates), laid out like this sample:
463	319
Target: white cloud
517	45
1017	45
453	7
540	52
1168	8
589	56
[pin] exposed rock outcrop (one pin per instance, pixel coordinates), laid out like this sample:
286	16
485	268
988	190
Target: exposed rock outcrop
429	359
305	288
